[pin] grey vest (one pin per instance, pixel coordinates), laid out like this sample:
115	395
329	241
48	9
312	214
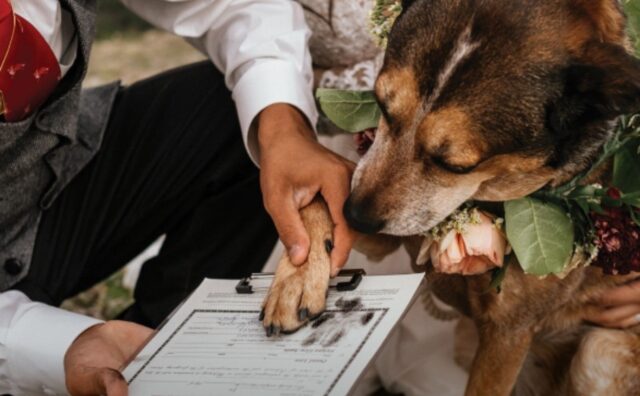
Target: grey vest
40	155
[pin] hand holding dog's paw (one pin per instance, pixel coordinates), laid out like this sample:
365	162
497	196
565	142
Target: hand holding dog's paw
295	168
619	308
298	293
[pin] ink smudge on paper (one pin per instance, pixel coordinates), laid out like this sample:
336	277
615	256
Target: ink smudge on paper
330	327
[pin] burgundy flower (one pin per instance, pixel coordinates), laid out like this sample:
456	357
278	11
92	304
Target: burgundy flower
614	193
364	140
618	240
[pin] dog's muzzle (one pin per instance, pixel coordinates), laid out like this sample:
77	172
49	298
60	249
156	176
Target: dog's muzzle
359	220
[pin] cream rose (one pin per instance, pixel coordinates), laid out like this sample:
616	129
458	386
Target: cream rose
478	248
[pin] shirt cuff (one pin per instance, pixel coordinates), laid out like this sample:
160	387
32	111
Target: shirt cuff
267	83
37	343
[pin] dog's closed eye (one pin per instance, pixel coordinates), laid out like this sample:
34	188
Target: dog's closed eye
457	169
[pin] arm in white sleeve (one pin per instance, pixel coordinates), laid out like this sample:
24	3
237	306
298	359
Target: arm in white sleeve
34	339
259	45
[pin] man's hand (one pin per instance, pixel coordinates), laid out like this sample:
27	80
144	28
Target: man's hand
294	168
94	358
619	308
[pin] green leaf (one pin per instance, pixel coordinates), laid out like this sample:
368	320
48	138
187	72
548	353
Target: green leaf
634	216
632	199
497	277
632	7
626	168
588	191
541	234
352	111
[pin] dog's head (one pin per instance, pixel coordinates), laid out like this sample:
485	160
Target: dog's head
489	100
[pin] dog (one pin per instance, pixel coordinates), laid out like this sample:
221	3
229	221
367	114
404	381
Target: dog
490	100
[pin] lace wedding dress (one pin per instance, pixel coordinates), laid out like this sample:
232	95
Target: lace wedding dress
341	43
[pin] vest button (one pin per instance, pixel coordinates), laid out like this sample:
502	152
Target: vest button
13	266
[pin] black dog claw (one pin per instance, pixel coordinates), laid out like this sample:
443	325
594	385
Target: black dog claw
261	317
328	245
303	314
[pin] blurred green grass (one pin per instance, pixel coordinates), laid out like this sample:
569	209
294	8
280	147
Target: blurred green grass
114	19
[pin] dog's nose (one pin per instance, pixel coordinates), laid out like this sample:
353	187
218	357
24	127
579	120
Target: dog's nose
359	220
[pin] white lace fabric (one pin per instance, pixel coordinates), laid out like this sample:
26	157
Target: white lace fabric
341	44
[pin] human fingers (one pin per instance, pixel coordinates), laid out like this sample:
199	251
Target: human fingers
112	383
616	317
335	192
286	217
622	295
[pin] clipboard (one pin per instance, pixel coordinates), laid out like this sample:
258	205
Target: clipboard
245	285
215	344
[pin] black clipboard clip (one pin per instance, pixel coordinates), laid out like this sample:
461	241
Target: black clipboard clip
245	286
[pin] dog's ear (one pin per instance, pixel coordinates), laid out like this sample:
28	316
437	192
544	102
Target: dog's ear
606	18
603	84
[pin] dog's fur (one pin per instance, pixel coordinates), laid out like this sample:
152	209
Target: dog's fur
491	100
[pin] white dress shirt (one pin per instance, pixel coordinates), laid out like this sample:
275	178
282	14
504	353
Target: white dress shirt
260	45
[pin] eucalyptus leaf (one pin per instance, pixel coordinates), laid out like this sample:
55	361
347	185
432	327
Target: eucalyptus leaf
632	199
352	111
497	277
541	235
626	167
632	8
586	192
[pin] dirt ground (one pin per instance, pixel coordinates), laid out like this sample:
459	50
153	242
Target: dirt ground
130	59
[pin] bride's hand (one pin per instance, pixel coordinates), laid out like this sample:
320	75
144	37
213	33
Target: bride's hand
619	308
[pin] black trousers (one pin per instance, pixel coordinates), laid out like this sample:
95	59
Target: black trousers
172	162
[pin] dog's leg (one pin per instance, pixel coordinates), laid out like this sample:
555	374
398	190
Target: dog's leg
606	363
498	361
299	292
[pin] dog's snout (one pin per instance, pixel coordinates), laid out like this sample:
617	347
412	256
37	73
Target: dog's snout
360	220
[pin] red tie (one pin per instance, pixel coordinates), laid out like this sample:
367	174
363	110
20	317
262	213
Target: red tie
29	70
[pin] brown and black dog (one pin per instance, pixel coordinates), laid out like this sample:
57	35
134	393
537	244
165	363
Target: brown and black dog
491	100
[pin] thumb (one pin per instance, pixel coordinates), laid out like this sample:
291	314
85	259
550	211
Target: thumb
112	383
288	222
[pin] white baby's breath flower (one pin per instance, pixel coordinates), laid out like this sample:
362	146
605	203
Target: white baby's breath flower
383	15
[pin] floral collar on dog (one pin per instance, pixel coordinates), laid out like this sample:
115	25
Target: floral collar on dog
551	231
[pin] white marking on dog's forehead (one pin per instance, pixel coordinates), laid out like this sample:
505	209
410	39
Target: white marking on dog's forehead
463	48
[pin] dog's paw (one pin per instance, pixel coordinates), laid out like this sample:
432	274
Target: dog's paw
298	293
294	298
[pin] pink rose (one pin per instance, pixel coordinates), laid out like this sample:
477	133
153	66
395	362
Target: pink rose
478	249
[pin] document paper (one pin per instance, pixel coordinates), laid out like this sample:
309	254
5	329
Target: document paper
214	343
